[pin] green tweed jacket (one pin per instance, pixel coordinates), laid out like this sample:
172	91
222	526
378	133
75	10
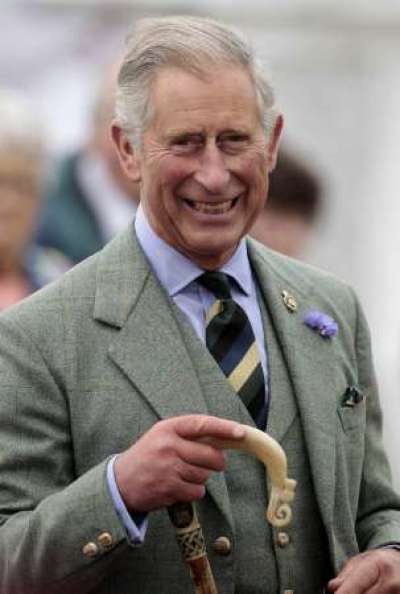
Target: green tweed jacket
92	361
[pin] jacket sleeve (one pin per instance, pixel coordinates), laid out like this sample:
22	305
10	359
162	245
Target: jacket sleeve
52	523
378	516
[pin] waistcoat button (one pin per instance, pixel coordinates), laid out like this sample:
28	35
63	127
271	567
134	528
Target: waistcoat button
222	545
282	539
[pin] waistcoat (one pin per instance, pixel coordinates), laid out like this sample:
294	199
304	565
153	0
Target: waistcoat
262	560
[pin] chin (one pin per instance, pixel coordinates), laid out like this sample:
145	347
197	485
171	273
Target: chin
210	255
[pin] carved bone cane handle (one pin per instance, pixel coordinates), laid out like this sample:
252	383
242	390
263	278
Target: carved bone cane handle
183	515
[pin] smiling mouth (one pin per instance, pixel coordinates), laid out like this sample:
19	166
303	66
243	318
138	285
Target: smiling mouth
215	208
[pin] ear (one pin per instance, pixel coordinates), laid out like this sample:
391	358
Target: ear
128	155
273	143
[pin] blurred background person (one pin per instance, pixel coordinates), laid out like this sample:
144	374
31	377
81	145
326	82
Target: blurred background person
287	221
24	267
88	199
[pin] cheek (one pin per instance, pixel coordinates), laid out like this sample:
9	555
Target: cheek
161	185
251	164
171	172
253	172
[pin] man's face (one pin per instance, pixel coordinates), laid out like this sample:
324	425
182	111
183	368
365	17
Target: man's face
204	162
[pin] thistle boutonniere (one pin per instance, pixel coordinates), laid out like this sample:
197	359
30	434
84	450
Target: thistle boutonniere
321	323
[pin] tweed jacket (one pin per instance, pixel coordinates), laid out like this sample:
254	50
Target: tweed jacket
92	361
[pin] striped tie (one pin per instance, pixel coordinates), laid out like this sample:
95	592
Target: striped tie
230	340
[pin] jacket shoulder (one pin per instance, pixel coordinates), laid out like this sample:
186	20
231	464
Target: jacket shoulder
297	273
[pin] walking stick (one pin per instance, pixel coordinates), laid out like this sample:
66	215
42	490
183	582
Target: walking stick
184	518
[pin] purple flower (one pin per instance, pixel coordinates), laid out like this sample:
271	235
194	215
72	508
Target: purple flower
321	323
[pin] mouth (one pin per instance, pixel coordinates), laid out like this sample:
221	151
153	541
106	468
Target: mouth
212	208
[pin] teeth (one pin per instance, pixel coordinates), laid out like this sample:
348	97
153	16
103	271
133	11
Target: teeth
212	208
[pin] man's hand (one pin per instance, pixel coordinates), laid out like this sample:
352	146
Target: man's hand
172	461
373	572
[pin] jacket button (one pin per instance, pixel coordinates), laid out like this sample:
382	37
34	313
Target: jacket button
105	540
90	549
222	545
282	539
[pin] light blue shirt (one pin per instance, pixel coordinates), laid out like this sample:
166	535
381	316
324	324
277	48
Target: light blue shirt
177	274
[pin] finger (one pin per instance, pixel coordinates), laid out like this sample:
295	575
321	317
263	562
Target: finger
168	491
334	584
193	474
187	492
344	572
357	580
198	426
200	454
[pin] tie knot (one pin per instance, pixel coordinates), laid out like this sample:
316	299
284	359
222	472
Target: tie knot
217	283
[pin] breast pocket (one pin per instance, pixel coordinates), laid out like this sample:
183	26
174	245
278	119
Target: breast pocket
353	418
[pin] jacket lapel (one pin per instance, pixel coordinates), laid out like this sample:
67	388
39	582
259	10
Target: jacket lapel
309	361
282	408
150	351
149	348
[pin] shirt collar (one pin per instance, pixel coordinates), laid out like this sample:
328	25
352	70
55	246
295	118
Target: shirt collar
175	271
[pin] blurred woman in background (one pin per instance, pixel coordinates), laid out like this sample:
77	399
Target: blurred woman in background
24	267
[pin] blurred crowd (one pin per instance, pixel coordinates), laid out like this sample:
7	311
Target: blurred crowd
24	265
56	212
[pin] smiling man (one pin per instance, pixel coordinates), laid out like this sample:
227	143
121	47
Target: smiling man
204	160
118	381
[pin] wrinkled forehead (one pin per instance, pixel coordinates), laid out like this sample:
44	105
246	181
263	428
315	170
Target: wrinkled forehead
206	71
223	85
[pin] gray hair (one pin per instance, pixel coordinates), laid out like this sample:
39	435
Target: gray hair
191	43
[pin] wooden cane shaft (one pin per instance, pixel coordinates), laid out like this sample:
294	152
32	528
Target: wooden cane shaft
202	576
190	539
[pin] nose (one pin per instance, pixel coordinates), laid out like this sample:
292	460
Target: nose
212	172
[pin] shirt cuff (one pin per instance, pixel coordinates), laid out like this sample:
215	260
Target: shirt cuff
134	524
390	545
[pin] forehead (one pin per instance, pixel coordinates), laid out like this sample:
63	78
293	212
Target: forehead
223	97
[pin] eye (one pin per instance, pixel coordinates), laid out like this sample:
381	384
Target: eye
233	142
186	143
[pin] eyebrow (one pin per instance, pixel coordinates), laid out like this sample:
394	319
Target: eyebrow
177	133
184	132
235	131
